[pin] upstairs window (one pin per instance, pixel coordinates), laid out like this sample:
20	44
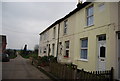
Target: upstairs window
65	26
40	37
54	32
90	16
84	48
45	36
60	48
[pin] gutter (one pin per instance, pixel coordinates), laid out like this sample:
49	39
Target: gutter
58	39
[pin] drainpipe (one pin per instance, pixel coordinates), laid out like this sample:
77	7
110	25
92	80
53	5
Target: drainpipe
58	39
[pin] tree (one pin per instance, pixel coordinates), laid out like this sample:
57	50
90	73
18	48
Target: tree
25	49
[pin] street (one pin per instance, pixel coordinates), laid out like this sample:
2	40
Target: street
20	68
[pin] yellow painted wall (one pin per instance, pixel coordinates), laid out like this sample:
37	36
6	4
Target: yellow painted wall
105	22
69	36
49	40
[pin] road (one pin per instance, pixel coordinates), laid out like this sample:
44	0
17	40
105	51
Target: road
20	68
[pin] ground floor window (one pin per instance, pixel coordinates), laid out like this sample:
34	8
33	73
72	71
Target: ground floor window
119	55
84	48
66	49
44	50
60	48
118	35
40	49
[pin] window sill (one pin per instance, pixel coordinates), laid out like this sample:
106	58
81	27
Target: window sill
84	60
64	34
66	57
88	26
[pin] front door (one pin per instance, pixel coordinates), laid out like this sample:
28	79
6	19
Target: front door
101	52
119	55
53	49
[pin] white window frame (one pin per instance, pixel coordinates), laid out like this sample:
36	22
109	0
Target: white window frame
41	37
54	32
83	48
67	49
90	17
60	48
40	49
44	36
65	26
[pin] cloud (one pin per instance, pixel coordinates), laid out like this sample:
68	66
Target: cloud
38	0
0	17
23	21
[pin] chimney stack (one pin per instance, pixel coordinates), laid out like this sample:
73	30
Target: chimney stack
79	3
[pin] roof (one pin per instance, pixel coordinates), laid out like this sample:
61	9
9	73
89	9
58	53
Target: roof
79	7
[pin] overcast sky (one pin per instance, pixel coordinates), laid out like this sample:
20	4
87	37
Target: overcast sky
23	21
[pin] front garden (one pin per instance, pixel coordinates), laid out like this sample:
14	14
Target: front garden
69	71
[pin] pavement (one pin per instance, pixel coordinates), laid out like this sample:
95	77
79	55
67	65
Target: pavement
20	68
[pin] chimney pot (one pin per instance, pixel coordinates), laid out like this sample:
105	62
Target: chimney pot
79	3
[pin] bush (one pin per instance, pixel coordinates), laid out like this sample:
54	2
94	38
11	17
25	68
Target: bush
52	59
45	60
11	53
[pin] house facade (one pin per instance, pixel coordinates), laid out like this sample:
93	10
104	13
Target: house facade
88	37
3	43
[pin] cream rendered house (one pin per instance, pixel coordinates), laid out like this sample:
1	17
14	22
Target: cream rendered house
88	37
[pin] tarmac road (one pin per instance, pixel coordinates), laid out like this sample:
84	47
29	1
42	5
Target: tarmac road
20	68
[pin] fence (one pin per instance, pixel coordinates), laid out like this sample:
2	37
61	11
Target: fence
95	75
63	71
71	72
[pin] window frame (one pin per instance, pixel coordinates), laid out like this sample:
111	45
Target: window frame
67	49
84	48
53	49
65	26
89	16
54	32
40	37
60	48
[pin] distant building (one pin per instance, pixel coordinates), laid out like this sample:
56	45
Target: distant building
3	43
89	37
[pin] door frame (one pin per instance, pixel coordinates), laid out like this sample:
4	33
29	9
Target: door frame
53	49
98	52
101	58
118	54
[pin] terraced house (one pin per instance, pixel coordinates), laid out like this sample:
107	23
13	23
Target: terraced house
89	37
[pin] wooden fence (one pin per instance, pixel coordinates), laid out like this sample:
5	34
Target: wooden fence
71	72
63	71
95	75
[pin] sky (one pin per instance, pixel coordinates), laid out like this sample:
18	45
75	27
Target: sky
23	21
